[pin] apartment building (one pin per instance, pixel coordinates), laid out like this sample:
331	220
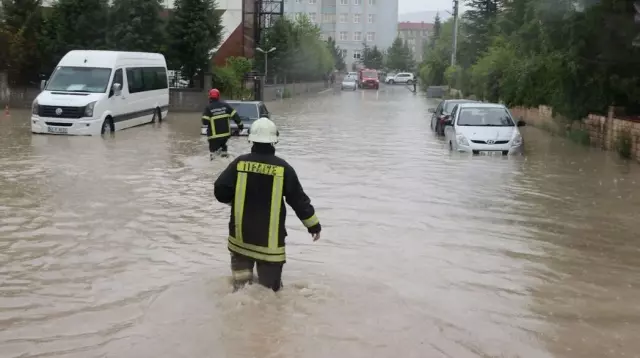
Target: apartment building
351	22
416	35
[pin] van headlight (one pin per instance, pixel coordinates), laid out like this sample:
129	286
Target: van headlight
517	140
462	140
35	108
88	109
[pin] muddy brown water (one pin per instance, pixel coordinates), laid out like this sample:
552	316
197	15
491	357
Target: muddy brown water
116	248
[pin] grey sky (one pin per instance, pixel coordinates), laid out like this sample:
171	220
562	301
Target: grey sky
406	6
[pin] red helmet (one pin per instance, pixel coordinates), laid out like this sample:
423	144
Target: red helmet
214	93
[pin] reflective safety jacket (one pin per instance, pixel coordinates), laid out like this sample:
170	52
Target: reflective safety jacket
216	117
255	184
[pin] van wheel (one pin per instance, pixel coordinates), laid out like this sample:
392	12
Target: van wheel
107	126
157	116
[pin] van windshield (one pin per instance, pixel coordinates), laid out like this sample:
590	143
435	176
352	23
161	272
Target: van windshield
80	79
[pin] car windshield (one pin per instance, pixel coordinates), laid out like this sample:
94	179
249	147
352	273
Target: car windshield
489	117
448	107
80	79
245	110
349	79
369	74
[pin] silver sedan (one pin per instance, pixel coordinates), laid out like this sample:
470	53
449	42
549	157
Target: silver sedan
349	83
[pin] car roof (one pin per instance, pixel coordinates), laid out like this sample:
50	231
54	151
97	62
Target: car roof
481	105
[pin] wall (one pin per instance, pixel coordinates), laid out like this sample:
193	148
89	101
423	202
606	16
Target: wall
604	131
182	100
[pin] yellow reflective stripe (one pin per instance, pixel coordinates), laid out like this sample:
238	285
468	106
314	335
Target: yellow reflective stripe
206	118
220	116
242	275
213	127
238	203
233	113
256	248
257	255
219	135
260	168
274	216
313	220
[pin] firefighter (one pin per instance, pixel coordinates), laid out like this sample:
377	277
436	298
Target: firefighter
216	118
254	185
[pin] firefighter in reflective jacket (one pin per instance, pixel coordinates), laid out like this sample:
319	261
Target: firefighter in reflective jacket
216	118
254	185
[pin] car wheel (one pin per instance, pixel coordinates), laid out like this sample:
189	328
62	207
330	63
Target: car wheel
341	88
391	82
354	88
475	152
107	126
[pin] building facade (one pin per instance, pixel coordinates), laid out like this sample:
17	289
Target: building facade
416	35
351	23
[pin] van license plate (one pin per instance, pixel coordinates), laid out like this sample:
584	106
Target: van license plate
57	130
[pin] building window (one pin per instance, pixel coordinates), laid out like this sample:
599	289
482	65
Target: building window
328	18
371	19
312	1
343	36
357	36
356	18
372	2
344	2
357	54
344	53
312	17
357	2
371	36
343	18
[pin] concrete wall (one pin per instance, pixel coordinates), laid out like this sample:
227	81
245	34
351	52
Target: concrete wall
180	99
604	131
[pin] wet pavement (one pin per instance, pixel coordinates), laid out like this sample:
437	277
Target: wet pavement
116	248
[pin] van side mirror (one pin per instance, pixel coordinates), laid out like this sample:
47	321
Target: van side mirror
43	84
116	88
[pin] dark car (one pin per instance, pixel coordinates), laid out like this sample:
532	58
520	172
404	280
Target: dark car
442	113
248	111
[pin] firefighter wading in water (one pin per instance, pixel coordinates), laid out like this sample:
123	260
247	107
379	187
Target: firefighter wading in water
254	185
216	117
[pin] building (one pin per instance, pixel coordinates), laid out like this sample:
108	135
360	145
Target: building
416	35
351	22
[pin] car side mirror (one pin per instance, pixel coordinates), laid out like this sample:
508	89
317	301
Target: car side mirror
43	84
432	110
116	88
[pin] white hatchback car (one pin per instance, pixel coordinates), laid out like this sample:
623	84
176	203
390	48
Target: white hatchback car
483	128
402	77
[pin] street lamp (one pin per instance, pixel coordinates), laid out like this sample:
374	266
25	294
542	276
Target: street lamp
266	58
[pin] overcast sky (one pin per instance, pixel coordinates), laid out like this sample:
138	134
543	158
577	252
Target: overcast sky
406	6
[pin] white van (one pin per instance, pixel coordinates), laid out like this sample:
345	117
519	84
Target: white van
97	92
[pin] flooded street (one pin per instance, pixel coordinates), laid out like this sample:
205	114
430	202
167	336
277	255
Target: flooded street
117	248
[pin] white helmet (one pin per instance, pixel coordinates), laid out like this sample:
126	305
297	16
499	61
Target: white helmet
263	130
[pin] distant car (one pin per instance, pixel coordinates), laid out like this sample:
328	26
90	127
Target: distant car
402	77
442	112
349	83
389	77
483	128
248	111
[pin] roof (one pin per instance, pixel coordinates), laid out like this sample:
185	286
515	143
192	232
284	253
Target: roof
403	26
481	105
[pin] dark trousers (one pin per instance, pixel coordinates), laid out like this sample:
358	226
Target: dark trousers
269	273
218	143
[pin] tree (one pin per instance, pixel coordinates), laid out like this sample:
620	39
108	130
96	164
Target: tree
194	31
135	25
399	56
372	57
20	29
338	55
437	26
74	25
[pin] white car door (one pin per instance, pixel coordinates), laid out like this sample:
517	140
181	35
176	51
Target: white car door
450	129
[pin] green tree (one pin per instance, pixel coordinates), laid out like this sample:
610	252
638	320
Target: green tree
437	26
135	25
194	31
338	55
74	25
372	57
20	28
399	56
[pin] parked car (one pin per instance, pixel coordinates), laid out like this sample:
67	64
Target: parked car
442	112
402	77
248	111
389	77
349	83
483	128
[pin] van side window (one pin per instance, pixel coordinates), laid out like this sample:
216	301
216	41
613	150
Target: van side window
135	80
117	78
147	78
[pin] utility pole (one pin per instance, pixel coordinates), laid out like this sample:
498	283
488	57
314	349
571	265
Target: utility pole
455	32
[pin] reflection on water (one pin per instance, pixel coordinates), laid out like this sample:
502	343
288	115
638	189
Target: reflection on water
115	247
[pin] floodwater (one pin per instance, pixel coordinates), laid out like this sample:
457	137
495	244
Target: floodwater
116	247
